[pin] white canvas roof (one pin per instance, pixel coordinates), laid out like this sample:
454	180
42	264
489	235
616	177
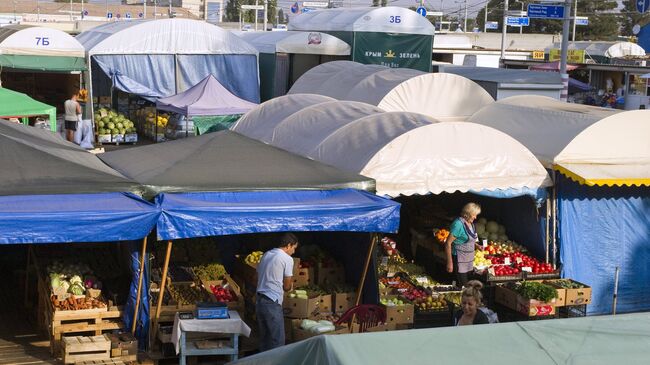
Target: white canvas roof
163	36
440	95
406	153
296	42
363	20
595	146
38	41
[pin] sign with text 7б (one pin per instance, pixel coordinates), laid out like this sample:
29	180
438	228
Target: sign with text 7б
542	11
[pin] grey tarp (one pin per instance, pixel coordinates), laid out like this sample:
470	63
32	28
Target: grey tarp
227	161
36	161
208	97
577	341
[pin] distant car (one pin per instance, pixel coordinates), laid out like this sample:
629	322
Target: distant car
247	28
279	28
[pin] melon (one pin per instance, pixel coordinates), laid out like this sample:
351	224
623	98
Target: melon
493	236
501	230
492	227
480	228
482	221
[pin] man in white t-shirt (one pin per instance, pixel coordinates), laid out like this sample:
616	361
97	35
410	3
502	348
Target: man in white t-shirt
274	277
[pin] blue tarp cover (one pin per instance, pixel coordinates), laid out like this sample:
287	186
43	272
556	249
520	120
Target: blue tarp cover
186	215
102	217
602	228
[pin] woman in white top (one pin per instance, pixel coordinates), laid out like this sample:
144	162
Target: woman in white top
72	116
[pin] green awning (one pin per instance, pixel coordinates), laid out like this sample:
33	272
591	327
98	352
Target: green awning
215	123
16	105
43	63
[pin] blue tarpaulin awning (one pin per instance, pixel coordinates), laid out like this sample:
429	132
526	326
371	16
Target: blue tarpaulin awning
186	215
102	217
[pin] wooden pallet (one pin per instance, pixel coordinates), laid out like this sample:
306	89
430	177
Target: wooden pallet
101	362
82	348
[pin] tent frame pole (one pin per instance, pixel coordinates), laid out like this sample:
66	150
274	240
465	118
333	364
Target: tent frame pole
163	283
140	278
29	256
362	280
554	220
548	227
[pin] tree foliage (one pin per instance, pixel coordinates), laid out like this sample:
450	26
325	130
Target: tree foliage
630	17
603	23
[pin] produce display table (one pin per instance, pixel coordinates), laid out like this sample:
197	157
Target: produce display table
232	327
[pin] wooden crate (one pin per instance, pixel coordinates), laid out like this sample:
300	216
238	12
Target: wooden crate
86	321
101	362
82	348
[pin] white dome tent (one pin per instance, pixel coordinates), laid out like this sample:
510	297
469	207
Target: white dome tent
594	146
391	36
396	148
160	58
439	95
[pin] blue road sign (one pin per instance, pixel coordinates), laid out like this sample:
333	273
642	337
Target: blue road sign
542	11
109	15
642	6
85	13
518	21
127	15
140	15
421	10
492	25
307	10
582	21
295	8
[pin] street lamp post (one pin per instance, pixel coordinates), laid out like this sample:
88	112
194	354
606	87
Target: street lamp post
575	14
521	27
14	11
485	16
504	28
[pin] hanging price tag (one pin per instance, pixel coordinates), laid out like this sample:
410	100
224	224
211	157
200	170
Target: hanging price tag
422	280
484	244
384	260
527	269
506	261
491	271
519	260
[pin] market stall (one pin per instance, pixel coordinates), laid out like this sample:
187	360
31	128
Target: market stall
133	63
251	189
18	105
207	106
438	95
395	149
286	56
602	163
404	36
42	62
55	194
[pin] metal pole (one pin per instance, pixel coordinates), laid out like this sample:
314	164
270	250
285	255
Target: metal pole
575	14
485	20
256	4
144	9
266	15
155	8
106	4
521	27
140	277
554	238
170	9
565	49
441	15
503	31
548	227
465	26
615	290
82	9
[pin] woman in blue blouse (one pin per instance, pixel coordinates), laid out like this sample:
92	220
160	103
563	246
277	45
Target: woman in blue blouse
461	243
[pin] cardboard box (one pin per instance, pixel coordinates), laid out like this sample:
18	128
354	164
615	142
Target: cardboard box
388	327
325	306
399	314
560	301
131	137
105	100
330	274
123	346
238	303
304	276
529	307
299	334
117	138
301	308
104	138
246	272
579	296
343	301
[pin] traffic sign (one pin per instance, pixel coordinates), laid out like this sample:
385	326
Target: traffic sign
85	13
518	21
315	4
492	25
140	15
295	8
421	10
541	11
118	16
109	15
307	10
127	15
582	20
642	6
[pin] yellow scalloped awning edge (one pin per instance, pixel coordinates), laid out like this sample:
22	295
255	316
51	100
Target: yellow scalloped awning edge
601	182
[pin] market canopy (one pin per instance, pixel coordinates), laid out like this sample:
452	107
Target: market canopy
604	49
227	161
208	97
296	43
160	58
363	20
224	213
591	145
439	95
28	47
581	341
406	153
35	161
17	105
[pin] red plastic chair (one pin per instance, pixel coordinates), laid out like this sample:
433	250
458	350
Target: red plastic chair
367	315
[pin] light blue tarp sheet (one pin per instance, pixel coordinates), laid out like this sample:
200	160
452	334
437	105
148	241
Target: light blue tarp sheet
186	215
237	73
606	340
102	217
602	228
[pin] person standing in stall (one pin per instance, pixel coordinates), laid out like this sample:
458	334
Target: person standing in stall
274	277
72	115
462	242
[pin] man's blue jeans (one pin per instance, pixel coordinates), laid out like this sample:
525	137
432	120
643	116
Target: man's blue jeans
270	320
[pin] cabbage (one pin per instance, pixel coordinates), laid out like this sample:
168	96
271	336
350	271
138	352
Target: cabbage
64	285
55	280
77	289
76	280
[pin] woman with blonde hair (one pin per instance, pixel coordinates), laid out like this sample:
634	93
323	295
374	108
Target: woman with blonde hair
461	243
471	299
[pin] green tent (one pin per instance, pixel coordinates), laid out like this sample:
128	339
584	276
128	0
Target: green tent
17	105
578	341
